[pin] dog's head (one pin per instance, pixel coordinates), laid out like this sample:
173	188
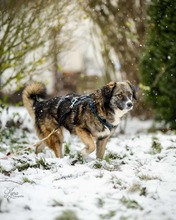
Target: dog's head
119	95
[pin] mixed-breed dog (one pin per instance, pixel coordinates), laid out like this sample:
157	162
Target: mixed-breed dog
93	118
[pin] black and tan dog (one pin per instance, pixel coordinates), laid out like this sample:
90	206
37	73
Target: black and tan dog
94	116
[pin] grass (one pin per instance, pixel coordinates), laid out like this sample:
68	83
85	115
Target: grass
146	177
43	164
130	204
97	165
78	158
13	134
39	163
103	165
4	171
67	149
100	175
27	180
100	202
15	139
113	156
109	215
124	218
156	146
57	204
67	215
117	183
22	164
136	187
171	148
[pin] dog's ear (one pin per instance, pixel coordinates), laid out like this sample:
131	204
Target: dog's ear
133	90
107	91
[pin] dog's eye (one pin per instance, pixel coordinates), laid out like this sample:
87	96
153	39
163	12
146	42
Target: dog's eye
120	96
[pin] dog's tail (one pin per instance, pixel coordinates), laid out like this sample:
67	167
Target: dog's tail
32	94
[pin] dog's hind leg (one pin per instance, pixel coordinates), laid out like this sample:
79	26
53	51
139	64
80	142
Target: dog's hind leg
101	146
54	142
87	139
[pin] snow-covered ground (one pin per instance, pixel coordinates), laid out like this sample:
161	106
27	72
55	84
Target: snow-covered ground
136	179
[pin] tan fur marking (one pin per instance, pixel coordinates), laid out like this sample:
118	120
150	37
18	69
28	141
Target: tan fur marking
101	146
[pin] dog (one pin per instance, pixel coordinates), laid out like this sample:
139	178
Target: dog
95	116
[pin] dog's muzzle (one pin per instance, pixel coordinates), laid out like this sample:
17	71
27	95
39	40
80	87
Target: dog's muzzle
129	105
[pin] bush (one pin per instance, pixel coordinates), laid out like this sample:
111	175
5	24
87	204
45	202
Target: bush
158	63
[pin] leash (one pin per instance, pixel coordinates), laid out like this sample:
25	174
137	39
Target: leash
102	120
38	143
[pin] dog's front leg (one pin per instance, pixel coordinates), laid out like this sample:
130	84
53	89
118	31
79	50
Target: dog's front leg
87	139
101	146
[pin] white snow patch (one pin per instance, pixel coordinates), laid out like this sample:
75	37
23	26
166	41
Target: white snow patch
134	182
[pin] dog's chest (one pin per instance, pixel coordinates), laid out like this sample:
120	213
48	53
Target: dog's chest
106	132
117	115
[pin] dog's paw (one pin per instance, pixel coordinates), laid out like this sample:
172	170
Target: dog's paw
84	152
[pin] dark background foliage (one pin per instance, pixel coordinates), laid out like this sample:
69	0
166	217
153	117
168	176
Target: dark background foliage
158	63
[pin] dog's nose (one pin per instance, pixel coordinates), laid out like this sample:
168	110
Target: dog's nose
129	104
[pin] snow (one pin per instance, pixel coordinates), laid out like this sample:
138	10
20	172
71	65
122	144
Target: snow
136	180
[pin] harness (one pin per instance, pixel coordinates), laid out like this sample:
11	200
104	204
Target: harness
74	104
